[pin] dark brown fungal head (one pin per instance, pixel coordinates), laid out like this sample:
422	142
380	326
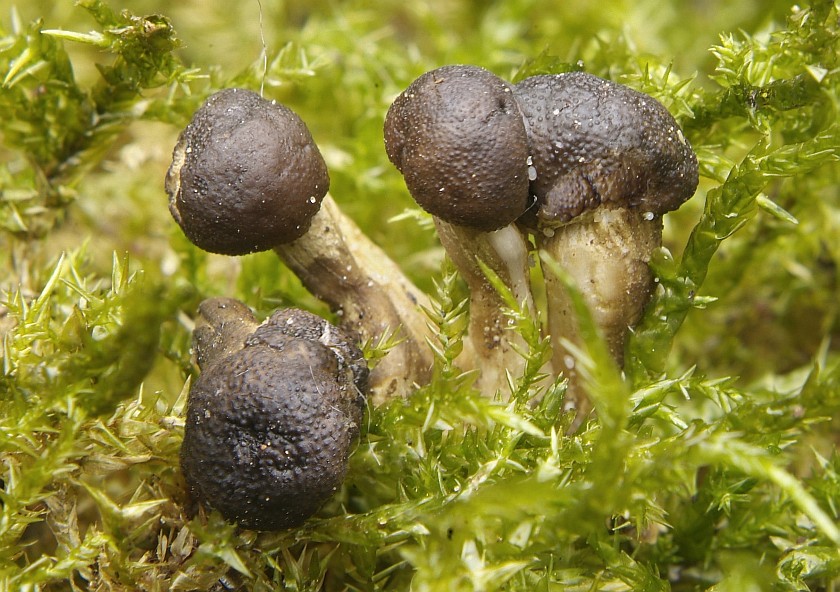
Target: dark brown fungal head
457	136
295	324
246	175
594	142
269	427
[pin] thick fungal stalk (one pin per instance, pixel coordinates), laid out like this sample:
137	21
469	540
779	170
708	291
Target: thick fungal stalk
345	269
246	176
608	163
493	340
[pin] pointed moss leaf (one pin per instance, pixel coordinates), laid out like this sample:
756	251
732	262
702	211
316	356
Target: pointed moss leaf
217	538
232	558
513	421
544	63
498	285
754	462
21	66
775	210
636	575
94	38
121	513
649	401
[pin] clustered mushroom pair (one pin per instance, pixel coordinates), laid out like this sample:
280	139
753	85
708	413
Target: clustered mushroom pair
579	167
584	165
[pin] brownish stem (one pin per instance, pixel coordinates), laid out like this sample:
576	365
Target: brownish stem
221	328
341	266
491	336
606	253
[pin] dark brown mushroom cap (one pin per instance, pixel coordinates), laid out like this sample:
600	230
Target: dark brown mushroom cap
457	136
595	142
295	324
246	175
270	427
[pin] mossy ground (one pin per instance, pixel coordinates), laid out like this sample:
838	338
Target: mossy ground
712	463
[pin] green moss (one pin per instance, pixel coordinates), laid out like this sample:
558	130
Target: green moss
712	464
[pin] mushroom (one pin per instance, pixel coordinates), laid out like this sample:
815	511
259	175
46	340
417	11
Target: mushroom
246	176
457	136
608	162
273	416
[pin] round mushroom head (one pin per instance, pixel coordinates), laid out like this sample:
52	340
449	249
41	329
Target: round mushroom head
295	324
596	143
457	136
246	175
270	427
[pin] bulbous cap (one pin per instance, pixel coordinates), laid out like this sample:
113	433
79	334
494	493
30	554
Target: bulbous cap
246	175
270	427
457	136
594	142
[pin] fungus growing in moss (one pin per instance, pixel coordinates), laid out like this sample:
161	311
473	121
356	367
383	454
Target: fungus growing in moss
272	418
608	163
457	136
246	176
